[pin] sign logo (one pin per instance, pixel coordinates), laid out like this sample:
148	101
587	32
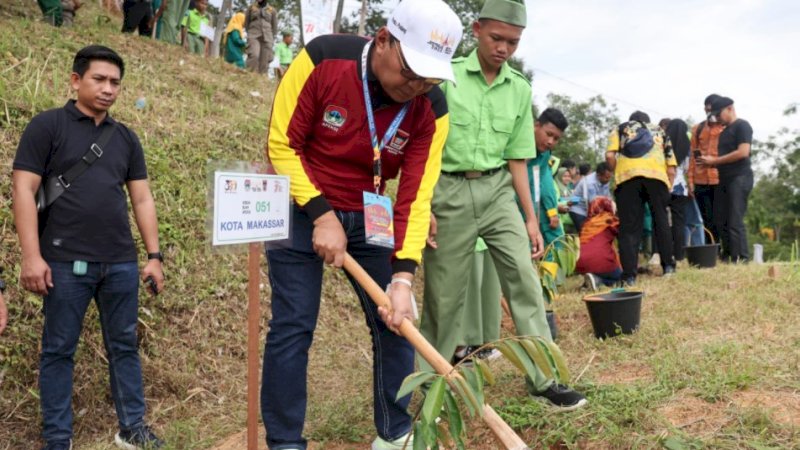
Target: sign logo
230	186
398	142
441	43
334	117
399	25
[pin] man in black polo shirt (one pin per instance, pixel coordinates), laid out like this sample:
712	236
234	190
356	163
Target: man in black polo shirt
735	179
83	248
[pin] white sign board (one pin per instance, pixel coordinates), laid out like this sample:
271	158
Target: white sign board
206	31
250	207
318	17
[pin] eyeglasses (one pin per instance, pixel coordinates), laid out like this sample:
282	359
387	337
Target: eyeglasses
409	74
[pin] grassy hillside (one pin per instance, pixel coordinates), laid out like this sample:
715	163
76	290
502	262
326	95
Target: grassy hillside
191	336
714	366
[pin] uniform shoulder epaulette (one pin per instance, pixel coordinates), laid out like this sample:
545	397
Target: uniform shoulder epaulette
519	74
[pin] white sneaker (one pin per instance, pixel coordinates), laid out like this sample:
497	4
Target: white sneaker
489	354
590	282
655	260
397	444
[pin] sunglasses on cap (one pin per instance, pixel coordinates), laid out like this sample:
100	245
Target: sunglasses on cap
409	74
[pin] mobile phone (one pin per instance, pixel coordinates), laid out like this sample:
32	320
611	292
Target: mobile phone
151	285
696	154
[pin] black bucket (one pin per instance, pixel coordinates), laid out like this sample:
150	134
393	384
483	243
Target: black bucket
702	255
614	313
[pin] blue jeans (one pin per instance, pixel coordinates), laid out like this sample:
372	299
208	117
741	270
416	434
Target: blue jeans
115	288
694	224
610	278
295	274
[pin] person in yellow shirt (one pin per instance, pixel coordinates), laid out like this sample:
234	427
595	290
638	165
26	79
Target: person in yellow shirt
641	155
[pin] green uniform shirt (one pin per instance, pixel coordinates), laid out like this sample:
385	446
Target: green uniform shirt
192	21
284	53
488	124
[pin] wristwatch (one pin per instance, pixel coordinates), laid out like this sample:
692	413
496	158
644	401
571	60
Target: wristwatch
157	255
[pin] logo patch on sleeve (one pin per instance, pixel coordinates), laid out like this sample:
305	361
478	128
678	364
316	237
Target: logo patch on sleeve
398	142
334	117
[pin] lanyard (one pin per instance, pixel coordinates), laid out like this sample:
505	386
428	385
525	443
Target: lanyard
377	147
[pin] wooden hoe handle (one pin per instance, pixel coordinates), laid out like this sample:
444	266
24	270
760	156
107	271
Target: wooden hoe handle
502	430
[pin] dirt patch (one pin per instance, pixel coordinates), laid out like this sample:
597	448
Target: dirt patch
693	415
782	407
238	441
625	373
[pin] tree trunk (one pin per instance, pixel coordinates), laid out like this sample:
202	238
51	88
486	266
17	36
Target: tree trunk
223	13
337	22
300	20
362	21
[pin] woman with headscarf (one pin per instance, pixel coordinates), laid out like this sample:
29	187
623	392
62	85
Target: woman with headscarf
599	260
678	134
234	40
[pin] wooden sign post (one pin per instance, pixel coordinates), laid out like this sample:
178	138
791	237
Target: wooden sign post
251	208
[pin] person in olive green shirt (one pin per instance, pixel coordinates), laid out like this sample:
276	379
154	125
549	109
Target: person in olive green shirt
483	167
191	39
284	53
170	14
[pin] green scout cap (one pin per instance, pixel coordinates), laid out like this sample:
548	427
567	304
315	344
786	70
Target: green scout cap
508	11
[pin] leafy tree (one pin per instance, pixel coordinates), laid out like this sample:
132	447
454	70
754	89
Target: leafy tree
375	19
590	122
288	14
775	200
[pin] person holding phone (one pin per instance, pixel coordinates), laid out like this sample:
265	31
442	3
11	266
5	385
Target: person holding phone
735	179
703	180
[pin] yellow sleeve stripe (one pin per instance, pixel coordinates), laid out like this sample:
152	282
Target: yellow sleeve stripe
419	218
284	157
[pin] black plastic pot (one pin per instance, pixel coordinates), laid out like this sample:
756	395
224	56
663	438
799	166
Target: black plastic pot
702	255
614	313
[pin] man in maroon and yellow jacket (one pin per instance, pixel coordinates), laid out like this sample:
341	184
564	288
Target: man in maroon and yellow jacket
341	96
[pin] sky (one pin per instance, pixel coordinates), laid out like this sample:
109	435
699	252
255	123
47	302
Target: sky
665	57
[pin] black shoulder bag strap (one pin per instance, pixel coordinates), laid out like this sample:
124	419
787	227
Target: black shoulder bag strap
57	185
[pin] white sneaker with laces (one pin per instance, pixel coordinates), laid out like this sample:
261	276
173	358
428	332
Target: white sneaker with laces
397	444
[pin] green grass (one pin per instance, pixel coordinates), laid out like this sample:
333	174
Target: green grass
714	365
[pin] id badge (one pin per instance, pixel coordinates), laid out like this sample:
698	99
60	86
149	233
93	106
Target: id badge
378	220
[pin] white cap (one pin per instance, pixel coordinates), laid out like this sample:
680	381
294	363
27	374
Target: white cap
429	32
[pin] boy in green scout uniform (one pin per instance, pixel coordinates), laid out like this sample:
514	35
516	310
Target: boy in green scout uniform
284	53
483	167
191	39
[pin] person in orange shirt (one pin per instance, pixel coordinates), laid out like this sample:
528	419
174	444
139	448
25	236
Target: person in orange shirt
703	180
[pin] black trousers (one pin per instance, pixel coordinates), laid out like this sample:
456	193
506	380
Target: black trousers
704	194
631	197
730	206
137	16
677	211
